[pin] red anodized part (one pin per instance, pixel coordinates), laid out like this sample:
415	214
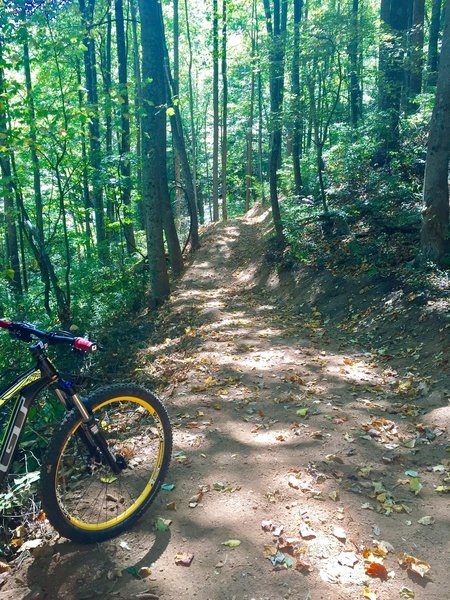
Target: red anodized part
84	344
5	324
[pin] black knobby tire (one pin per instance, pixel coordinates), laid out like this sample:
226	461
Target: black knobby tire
82	498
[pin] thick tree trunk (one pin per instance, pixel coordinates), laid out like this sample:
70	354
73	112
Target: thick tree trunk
153	143
435	227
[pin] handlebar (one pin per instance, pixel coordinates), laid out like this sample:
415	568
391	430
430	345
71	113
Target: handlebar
25	331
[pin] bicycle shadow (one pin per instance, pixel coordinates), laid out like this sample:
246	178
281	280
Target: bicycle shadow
107	570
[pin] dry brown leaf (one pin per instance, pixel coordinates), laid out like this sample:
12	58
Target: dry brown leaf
376	569
184	559
414	564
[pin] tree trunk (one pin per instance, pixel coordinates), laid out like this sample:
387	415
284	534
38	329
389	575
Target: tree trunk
249	150
180	150
7	192
224	111
85	181
95	158
296	104
137	109
124	143
416	53
391	73
353	53
215	167
435	25
435	226
197	196
276	29
153	143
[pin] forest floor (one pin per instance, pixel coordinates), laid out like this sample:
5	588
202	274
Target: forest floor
311	418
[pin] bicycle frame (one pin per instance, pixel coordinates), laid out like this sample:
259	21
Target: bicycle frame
27	386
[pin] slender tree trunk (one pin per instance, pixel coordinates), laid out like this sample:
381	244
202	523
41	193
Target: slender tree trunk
198	200
224	111
249	151
85	181
124	144
180	149
276	29
215	166
153	143
353	52
392	74
7	192
33	140
435	25
106	70
296	106
435	226
137	108
95	158
416	53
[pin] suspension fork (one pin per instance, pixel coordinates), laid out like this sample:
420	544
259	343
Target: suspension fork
90	432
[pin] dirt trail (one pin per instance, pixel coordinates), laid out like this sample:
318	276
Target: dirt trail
284	440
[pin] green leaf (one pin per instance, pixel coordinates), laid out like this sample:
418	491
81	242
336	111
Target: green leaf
302	412
232	543
168	487
162	524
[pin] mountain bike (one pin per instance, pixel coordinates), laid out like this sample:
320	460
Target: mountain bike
106	459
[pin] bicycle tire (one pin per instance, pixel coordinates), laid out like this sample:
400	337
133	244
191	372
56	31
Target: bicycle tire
81	497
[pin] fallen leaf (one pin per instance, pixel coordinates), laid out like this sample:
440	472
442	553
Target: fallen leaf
145	572
162	524
340	534
30	544
376	569
427	520
371	595
414	564
302	412
293	482
334	495
184	559
415	485
306	532
232	543
168	487
347	559
407	593
171	506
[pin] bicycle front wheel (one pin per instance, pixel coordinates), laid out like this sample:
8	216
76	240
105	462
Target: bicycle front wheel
81	496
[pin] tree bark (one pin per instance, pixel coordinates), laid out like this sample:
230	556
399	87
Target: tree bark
224	111
215	167
416	53
394	16
197	196
153	143
353	53
276	29
435	25
435	226
95	158
124	143
297	117
7	189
